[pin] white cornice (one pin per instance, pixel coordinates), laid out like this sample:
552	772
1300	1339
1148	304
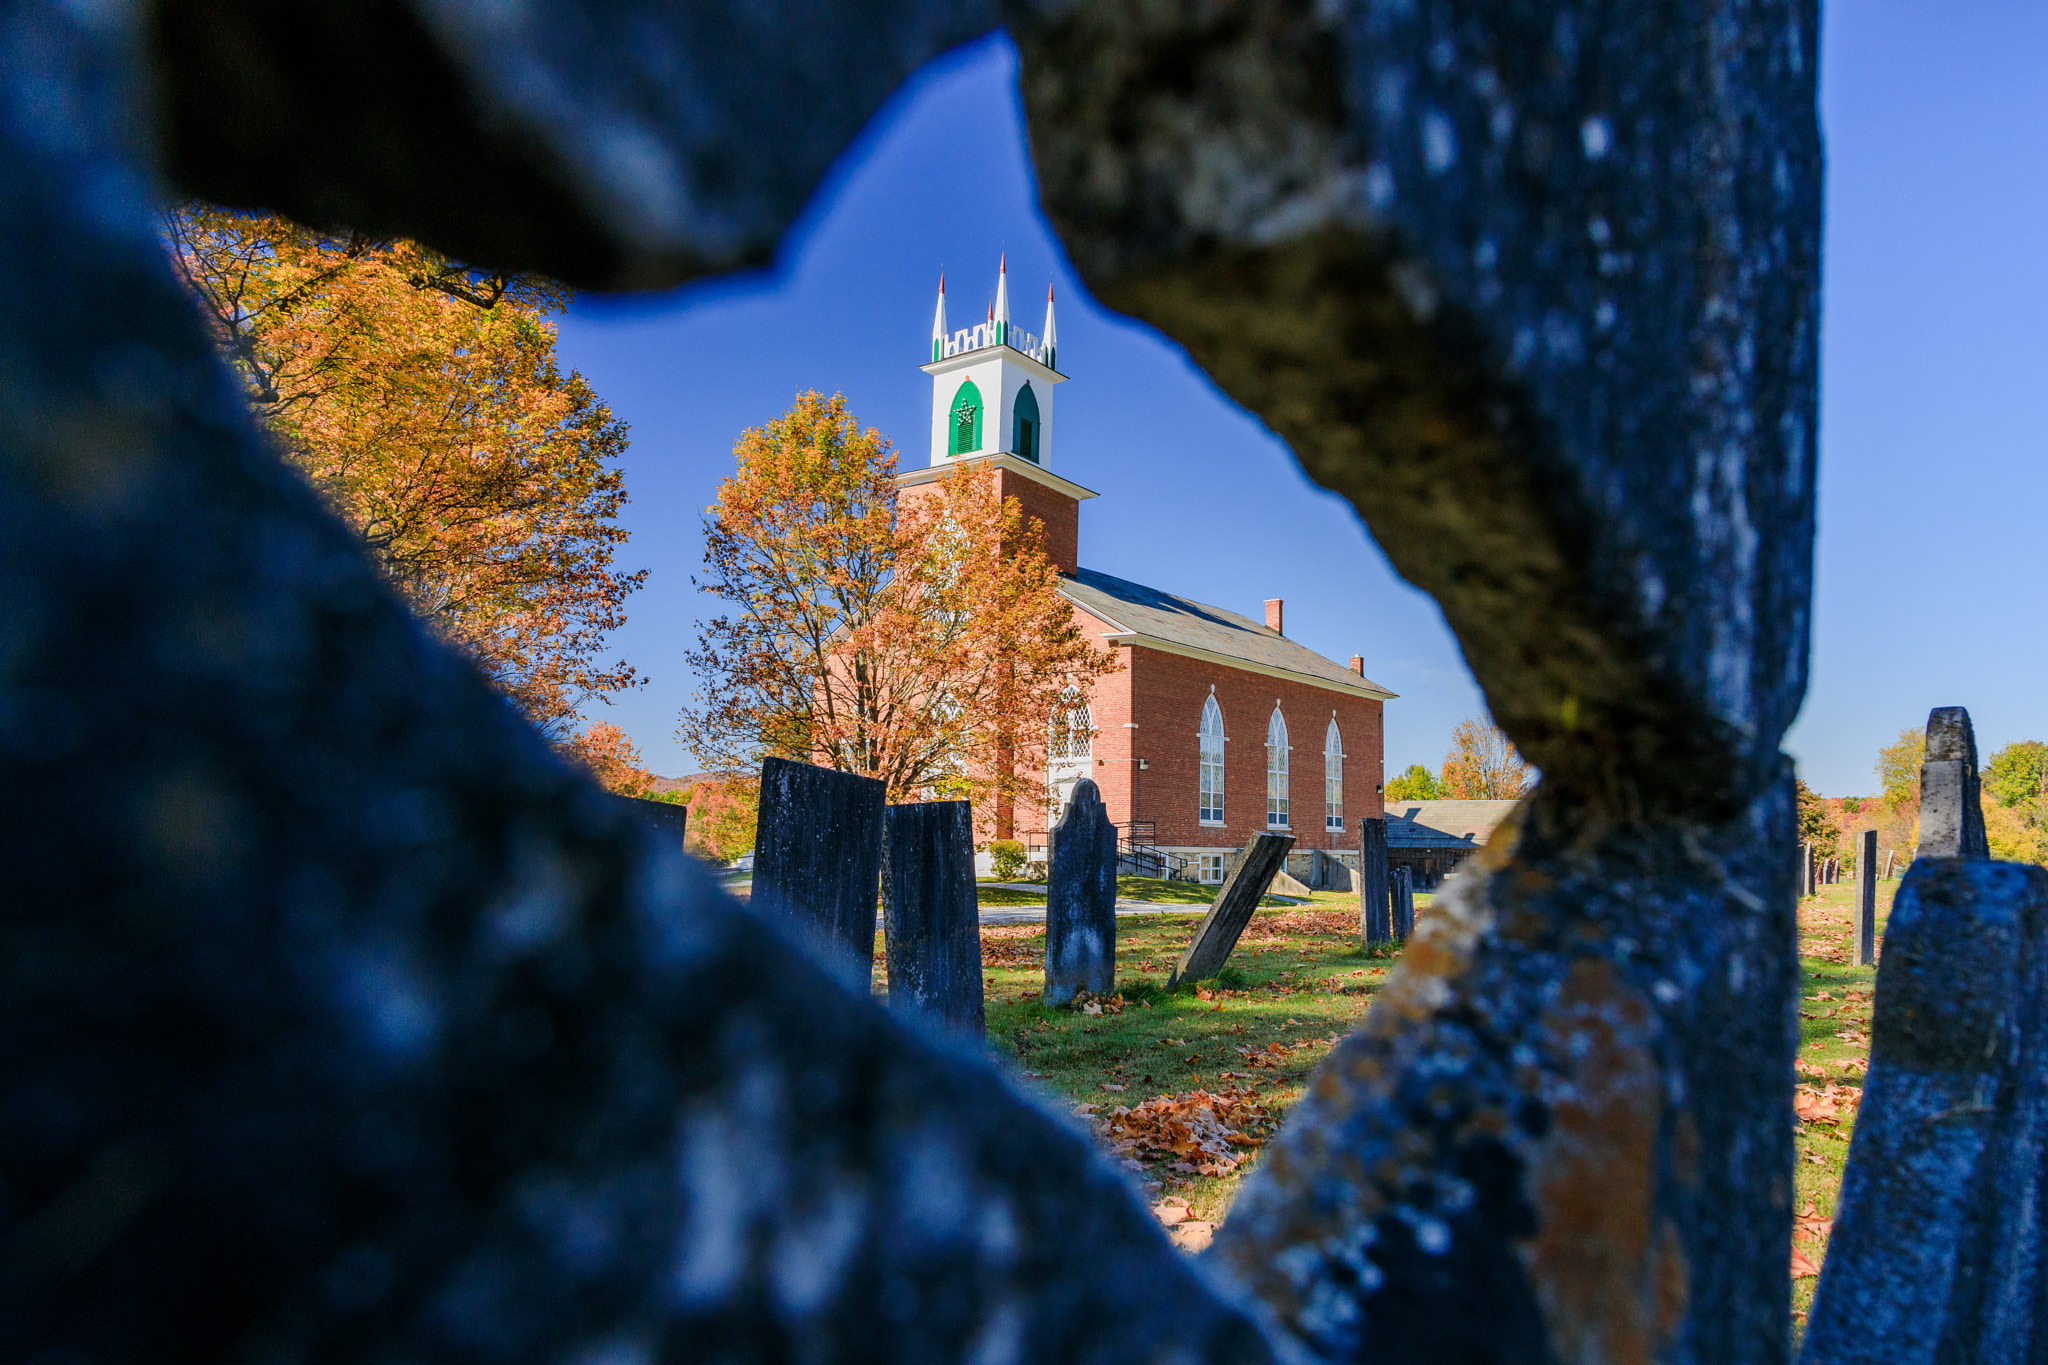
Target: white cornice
1016	357
1142	641
1015	464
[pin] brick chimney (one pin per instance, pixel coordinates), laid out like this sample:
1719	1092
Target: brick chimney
1358	664
1273	610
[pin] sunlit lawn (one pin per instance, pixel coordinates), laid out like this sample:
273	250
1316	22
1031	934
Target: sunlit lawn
1300	979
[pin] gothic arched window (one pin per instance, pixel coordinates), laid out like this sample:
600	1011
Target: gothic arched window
1072	734
1333	778
966	424
1026	442
1212	762
1276	771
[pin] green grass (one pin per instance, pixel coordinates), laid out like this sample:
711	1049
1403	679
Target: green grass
1300	978
1156	890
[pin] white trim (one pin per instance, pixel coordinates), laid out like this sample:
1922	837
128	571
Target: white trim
1121	636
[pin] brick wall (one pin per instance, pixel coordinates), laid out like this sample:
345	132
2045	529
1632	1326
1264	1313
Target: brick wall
1060	513
1166	692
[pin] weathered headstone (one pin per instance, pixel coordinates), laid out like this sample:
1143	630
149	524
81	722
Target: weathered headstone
670	820
931	923
1232	909
818	861
1866	900
1938	1251
1951	812
1806	875
1375	913
1404	903
1080	900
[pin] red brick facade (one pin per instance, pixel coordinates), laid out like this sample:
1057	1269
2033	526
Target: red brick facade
1147	718
1151	713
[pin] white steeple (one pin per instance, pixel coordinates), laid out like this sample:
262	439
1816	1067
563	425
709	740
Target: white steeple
1052	339
1001	313
991	383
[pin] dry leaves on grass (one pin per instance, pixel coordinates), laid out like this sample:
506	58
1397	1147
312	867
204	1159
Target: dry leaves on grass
1273	1055
1089	1004
1810	1224
1012	945
1194	1133
1802	1269
1829	1103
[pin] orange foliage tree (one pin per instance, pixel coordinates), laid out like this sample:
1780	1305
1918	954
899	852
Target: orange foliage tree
924	643
611	758
424	401
723	815
1483	764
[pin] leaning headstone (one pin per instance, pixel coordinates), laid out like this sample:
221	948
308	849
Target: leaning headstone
931	924
1080	900
1866	900
1232	909
670	820
1951	815
818	861
1375	918
1404	903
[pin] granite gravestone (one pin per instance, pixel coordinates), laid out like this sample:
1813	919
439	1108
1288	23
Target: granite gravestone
1080	900
931	922
1938	1251
1242	889
1375	912
818	861
1866	900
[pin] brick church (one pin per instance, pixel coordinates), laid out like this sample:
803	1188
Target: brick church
1217	726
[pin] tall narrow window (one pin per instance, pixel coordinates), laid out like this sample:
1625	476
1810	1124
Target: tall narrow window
1333	778
1073	731
1212	762
1276	771
966	420
1026	443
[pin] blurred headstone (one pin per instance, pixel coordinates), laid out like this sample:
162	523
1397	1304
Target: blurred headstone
818	861
1375	917
1080	900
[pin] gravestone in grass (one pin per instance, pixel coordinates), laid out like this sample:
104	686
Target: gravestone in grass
931	925
1938	1251
1866	900
1404	903
1080	902
1375	921
818	861
1232	909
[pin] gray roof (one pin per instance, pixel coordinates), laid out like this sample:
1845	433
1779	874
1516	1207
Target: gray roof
1161	620
1443	824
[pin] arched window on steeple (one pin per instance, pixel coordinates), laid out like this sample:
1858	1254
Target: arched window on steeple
1026	442
1333	778
1276	771
1212	762
966	423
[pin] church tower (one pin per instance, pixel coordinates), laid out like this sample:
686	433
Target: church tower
992	383
992	405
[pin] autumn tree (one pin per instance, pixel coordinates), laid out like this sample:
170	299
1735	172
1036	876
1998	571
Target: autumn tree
1817	824
1483	764
613	759
1898	779
925	642
424	401
1414	783
723	816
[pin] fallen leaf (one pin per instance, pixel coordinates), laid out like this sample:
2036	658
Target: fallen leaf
1802	1269
1113	1089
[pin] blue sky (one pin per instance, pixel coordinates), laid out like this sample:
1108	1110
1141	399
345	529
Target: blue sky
1935	374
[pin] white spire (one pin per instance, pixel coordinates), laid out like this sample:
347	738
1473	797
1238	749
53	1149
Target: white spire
1052	336
1001	314
939	323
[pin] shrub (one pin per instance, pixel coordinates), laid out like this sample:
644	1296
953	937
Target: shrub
1006	859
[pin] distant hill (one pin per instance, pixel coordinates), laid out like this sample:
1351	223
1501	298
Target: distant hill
679	784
